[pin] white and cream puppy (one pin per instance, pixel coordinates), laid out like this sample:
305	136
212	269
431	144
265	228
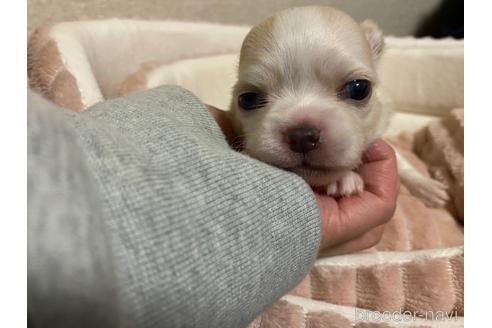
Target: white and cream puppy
308	100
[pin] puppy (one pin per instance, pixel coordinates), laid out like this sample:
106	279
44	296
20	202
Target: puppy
307	99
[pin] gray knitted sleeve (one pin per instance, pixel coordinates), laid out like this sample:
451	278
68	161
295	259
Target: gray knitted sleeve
140	215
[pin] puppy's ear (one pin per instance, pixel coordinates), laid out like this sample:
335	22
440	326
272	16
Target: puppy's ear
374	36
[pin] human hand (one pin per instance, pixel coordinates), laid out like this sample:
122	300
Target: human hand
357	222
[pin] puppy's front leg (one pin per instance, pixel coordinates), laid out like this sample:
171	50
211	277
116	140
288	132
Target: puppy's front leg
432	192
350	183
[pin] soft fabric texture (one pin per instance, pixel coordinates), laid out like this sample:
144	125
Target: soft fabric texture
421	252
77	64
441	146
141	215
70	277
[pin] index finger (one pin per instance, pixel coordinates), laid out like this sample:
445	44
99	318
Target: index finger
380	171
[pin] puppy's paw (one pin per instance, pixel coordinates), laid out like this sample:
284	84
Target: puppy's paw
349	184
432	192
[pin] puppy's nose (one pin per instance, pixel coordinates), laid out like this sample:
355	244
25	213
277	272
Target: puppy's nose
303	139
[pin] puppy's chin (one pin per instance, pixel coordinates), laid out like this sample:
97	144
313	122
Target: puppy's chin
316	176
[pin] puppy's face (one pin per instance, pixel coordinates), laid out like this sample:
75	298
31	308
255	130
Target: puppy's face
307	97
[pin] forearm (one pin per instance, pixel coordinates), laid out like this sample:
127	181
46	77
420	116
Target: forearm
199	235
70	275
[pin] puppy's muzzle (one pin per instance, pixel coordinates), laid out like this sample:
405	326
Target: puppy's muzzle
302	139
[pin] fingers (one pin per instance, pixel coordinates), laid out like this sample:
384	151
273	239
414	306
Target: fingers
353	216
379	171
332	231
366	240
379	150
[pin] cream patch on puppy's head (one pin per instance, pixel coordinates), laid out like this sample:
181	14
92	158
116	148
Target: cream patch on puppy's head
307	98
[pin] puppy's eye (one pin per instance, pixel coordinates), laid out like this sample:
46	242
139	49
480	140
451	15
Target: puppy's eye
357	90
251	101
